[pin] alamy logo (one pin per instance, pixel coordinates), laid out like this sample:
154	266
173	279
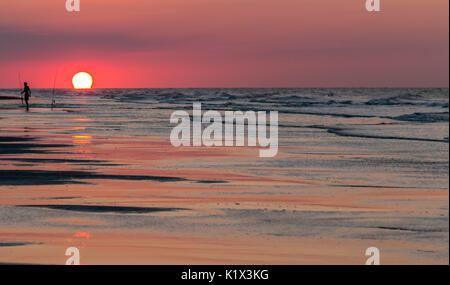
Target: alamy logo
374	254
221	133
74	254
73	5
373	5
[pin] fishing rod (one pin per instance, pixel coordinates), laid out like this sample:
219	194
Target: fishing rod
20	87
53	102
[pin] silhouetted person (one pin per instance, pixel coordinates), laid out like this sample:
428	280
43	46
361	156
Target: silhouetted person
27	93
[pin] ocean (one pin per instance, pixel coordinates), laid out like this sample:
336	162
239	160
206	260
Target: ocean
356	167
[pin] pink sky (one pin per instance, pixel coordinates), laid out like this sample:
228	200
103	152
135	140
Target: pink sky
226	43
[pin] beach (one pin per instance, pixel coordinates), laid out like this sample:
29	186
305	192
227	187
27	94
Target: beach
355	168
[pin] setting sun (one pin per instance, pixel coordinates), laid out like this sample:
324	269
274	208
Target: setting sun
82	80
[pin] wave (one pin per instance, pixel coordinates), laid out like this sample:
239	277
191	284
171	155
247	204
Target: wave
424	117
344	133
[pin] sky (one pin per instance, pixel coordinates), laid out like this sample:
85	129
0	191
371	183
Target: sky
225	43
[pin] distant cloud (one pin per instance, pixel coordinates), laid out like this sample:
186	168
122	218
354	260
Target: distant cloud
21	44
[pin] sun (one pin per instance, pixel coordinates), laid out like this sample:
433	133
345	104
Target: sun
82	80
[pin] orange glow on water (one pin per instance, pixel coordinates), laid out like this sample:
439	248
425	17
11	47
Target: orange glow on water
79	139
82	235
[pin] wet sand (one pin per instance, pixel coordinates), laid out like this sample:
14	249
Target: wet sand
137	200
149	247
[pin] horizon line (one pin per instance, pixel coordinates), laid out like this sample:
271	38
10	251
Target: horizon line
244	87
